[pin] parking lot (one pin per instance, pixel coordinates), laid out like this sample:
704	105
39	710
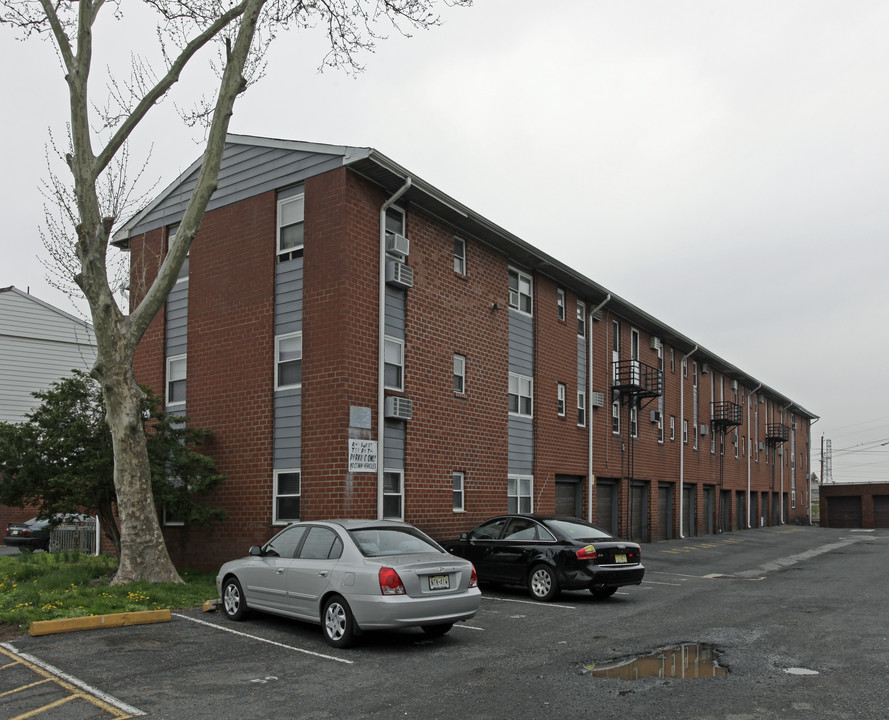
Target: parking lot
796	614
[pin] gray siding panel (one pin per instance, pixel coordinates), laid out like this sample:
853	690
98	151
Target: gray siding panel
288	296
521	344
393	445
246	171
176	329
288	429
395	312
521	446
581	363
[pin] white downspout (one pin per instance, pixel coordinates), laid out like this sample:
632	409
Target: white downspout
750	397
682	437
591	477
381	345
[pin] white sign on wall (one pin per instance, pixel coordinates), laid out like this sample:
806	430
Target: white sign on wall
362	456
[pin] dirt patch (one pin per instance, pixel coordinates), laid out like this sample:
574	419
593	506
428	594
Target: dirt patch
11	631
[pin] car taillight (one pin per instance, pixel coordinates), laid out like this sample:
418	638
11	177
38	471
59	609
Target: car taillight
587	553
473	578
390	583
27	533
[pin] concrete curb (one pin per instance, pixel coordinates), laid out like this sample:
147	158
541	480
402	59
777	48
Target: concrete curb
93	622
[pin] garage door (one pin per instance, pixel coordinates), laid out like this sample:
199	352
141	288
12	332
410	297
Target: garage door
568	496
844	512
881	511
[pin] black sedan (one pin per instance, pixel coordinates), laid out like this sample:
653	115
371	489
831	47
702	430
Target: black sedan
34	534
548	554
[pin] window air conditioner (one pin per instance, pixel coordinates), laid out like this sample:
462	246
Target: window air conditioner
655	343
597	316
397	273
397	244
655	416
398	408
705	368
598	399
704	430
734	384
762	445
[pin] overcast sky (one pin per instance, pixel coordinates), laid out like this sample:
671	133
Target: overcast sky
722	165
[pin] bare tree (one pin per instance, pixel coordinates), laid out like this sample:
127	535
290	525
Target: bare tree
241	31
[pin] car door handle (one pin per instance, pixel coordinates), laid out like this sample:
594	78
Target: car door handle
322	573
279	571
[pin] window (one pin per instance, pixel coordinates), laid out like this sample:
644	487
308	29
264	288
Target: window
393	494
520	394
518	494
634	421
458	480
459	256
287	495
321	544
581	408
291	216
660	427
672	427
685	431
684	367
183	270
395	221
560	304
459	374
393	356
520	291
672	361
694	373
289	360
615	348
615	417
560	399
172	518
176	371
284	544
581	319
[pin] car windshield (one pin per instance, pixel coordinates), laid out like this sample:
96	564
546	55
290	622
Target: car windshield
376	542
579	531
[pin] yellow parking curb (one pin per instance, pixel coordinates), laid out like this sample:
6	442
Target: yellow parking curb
92	622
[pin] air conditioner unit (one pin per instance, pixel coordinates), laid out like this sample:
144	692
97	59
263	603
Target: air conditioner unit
655	343
705	368
762	446
762	398
598	399
397	273
734	384
397	244
793	426
735	438
597	316
704	430
655	416
398	408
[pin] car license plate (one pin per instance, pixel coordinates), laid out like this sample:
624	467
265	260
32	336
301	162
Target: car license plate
14	532
620	558
439	582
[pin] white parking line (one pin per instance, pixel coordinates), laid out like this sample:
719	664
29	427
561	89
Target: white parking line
260	639
71	680
529	602
653	582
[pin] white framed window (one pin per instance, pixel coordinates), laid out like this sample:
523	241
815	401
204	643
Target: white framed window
560	399
291	220
459	256
177	366
694	373
685	431
560	304
615	417
288	360
672	361
684	367
395	220
393	494
660	428
458	485
615	348
287	492
672	427
581	408
634	421
581	319
171	519
520	393
459	374
393	356
518	494
520	291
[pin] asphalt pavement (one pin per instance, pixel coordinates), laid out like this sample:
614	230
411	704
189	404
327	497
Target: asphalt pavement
796	615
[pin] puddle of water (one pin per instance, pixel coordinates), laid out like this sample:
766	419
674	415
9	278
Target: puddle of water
689	660
800	671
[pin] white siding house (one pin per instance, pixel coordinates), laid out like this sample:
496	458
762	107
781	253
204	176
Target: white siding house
39	344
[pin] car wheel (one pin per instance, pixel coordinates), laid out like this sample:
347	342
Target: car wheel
233	603
338	623
600	593
437	630
542	583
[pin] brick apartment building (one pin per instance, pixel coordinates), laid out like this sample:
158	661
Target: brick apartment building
362	345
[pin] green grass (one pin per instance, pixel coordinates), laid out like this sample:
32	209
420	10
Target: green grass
44	586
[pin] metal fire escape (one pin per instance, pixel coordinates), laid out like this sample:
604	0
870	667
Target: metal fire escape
776	434
635	385
723	415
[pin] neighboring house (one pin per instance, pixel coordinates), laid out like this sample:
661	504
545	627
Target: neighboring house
39	345
361	344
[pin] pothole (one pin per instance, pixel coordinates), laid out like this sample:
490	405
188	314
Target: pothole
688	660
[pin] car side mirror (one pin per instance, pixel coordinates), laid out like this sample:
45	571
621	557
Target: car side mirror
464	536
256	551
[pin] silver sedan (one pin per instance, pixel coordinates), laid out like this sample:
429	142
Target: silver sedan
350	576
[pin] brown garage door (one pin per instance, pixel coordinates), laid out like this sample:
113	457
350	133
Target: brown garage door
844	512
881	511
